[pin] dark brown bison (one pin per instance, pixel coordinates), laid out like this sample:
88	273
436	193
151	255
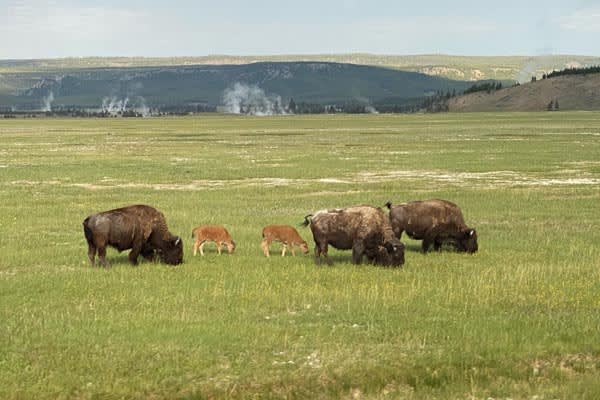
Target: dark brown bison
435	222
364	229
141	228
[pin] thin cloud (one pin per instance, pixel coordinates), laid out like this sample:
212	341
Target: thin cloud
71	28
586	20
45	29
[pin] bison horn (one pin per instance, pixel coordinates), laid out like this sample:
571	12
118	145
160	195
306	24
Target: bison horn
471	232
177	241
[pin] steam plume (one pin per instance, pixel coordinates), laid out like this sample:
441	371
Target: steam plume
250	99
115	105
47	102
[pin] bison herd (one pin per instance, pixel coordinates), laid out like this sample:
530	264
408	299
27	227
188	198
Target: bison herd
368	231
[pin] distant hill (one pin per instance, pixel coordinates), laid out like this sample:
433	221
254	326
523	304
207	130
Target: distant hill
578	92
167	86
468	68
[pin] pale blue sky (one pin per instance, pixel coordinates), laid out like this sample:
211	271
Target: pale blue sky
74	28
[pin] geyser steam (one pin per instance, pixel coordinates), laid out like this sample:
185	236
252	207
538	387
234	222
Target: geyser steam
115	105
47	102
252	100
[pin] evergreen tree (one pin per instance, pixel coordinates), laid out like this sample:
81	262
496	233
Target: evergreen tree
292	106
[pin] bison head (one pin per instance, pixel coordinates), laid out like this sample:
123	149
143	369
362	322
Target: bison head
468	242
231	247
172	251
391	254
395	249
304	247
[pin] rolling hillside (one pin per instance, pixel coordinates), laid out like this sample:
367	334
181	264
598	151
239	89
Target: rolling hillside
579	92
165	86
212	81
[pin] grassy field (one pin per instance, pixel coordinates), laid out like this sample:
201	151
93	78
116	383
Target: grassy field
517	320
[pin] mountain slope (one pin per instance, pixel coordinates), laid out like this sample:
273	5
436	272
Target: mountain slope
578	92
316	82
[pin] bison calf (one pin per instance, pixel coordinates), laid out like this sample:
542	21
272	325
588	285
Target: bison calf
285	234
364	229
212	233
141	228
435	222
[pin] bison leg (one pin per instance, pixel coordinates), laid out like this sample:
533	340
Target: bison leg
292	248
265	247
321	249
102	257
219	244
92	254
437	245
426	243
202	248
283	249
430	237
148	253
196	245
357	252
134	254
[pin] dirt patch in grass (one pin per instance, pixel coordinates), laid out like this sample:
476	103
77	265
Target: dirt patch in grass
568	364
491	179
479	179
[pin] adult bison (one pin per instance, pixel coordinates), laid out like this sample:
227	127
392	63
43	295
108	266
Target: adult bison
141	228
435	222
364	229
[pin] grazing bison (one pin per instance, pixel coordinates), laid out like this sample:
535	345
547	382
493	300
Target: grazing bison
212	233
364	229
435	222
285	234
141	228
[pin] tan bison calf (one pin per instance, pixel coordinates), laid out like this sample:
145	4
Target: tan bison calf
212	233
285	234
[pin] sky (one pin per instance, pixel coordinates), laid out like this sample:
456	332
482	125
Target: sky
150	28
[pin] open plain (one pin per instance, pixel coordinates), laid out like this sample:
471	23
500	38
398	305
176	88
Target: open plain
519	319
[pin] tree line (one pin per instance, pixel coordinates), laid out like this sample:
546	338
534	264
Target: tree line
573	71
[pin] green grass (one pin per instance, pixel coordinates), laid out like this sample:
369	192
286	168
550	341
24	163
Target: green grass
516	320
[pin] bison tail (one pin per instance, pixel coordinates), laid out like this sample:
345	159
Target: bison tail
306	221
89	235
389	205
